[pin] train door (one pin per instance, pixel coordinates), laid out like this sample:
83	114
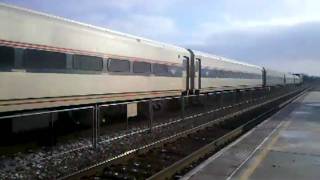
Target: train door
191	71
197	75
264	77
186	73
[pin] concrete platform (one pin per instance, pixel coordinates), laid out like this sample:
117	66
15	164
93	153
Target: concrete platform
286	146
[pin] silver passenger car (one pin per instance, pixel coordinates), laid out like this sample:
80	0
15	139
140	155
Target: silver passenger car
50	61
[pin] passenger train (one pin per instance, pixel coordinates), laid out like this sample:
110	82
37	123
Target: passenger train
48	61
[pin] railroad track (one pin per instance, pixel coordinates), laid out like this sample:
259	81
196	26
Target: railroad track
172	156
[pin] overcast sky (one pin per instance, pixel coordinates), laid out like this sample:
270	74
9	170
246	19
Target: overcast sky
281	34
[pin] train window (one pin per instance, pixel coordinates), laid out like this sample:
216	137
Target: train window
224	74
216	73
248	76
36	59
235	74
161	69
208	72
228	74
258	76
87	63
118	65
204	72
231	74
251	76
6	57
240	75
175	71
243	75
212	73
219	73
141	67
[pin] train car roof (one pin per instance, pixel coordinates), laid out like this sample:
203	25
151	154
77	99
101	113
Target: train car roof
274	73
207	55
93	27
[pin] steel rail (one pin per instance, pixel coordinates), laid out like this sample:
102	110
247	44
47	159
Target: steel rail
99	166
215	145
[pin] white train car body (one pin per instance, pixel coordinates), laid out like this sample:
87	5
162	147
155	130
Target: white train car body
219	73
290	79
50	61
298	78
274	78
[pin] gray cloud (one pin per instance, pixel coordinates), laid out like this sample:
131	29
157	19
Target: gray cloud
137	17
287	48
